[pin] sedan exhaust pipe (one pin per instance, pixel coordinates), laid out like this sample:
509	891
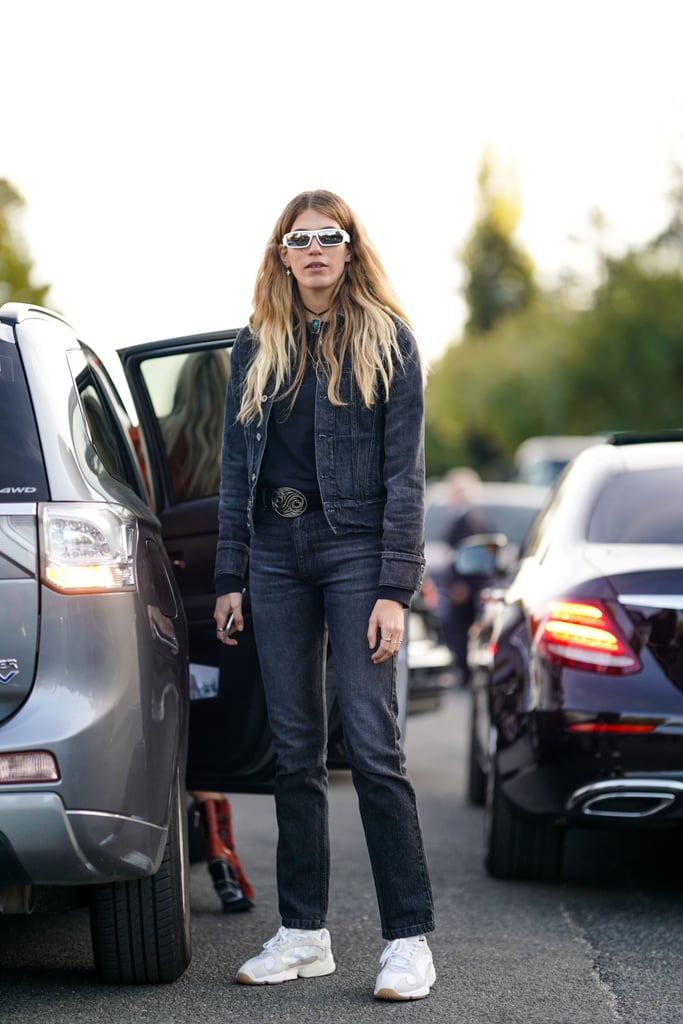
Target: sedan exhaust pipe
626	798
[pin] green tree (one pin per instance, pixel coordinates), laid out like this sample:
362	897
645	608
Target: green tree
570	361
626	368
498	273
553	369
15	265
482	400
667	247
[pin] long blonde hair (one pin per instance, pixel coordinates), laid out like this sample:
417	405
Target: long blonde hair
361	322
192	430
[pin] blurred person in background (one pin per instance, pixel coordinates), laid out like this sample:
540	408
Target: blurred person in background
457	597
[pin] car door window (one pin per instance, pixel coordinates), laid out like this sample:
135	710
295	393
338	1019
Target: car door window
179	391
113	451
187	396
102	433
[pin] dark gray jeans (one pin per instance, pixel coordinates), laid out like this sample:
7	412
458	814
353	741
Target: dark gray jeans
302	577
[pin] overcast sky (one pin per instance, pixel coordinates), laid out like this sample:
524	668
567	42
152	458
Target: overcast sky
156	142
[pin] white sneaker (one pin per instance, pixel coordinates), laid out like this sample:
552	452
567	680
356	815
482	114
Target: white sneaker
292	953
407	969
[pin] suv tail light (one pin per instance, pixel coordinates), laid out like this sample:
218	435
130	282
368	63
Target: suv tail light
583	634
87	547
28	766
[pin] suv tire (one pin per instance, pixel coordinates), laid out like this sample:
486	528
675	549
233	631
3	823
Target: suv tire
140	929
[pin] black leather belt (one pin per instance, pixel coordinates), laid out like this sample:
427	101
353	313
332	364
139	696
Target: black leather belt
288	502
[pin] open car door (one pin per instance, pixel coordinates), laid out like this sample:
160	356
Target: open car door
178	388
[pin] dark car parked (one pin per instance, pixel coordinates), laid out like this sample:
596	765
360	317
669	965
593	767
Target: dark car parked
577	661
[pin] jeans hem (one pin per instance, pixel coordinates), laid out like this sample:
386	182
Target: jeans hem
303	924
422	928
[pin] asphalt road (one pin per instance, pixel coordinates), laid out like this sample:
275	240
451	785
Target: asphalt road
602	946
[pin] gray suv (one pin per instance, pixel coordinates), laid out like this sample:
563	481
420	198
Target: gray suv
93	663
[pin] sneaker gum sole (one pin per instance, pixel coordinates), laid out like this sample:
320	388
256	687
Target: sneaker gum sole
420	993
390	993
315	970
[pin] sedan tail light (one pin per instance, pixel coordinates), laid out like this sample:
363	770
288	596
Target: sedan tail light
583	634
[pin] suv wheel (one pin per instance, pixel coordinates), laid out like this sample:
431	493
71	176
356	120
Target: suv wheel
140	929
519	846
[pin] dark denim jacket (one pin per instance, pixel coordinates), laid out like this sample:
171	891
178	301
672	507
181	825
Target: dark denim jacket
369	462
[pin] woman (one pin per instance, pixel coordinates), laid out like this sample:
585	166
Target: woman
322	492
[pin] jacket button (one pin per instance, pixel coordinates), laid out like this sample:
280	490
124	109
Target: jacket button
258	437
264	398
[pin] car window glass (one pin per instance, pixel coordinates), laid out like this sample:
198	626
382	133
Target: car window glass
512	520
187	394
534	539
112	454
22	474
103	436
640	508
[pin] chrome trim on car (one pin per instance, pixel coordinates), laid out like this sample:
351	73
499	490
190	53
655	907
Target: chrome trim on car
656	795
9	670
18	508
653	600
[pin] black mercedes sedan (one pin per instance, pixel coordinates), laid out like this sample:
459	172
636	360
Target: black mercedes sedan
577	661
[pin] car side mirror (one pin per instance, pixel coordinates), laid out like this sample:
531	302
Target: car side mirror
479	555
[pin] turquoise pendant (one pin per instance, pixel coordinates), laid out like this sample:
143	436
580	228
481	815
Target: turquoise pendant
315	325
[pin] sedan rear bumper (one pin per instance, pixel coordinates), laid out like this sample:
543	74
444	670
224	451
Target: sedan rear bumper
595	781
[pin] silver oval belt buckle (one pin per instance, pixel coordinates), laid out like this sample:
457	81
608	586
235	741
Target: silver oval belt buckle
289	502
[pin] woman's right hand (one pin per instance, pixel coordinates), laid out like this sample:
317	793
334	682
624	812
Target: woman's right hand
228	605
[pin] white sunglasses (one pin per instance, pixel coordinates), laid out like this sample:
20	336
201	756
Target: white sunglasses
326	236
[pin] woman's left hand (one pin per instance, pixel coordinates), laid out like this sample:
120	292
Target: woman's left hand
385	629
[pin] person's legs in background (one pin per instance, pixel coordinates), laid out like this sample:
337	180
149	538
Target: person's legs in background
227	874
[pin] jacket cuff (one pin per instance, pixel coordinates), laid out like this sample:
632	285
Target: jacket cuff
228	583
404	597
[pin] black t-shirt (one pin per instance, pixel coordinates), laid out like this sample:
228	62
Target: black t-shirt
289	458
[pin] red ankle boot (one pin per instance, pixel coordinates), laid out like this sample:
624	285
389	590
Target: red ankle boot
230	882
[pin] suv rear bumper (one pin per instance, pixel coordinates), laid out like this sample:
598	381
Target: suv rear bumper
41	843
